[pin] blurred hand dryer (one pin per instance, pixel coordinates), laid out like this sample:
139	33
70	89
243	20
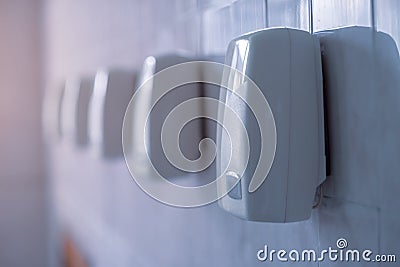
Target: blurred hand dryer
74	110
51	113
148	117
112	92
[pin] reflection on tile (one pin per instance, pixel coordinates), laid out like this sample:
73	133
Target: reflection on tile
328	14
288	236
289	13
217	30
359	225
186	28
220	25
247	16
387	15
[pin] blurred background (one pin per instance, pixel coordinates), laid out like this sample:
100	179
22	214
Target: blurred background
62	206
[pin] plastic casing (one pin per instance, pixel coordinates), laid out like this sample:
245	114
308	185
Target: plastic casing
82	112
362	82
112	92
189	138
75	107
286	66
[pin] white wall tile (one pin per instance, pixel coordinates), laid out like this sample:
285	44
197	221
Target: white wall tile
387	18
289	13
328	14
134	229
221	25
359	225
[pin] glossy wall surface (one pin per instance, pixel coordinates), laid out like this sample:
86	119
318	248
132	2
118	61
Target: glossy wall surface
116	224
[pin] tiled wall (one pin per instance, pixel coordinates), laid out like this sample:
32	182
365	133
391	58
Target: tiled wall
117	224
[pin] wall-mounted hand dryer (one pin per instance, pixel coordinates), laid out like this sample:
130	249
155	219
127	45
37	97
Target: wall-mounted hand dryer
68	108
155	117
286	66
52	112
82	111
112	92
74	110
361	70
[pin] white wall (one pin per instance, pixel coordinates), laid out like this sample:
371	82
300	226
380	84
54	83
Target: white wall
117	224
23	218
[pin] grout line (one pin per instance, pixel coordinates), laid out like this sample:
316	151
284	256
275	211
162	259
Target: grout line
266	14
373	15
311	16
